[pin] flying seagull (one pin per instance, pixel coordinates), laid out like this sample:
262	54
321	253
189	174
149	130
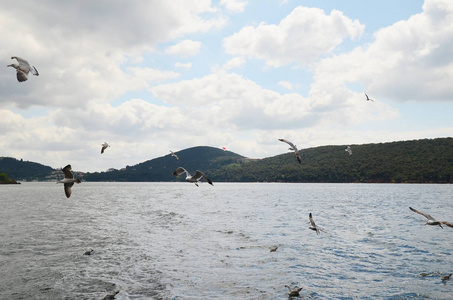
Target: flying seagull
23	68
293	292
431	220
293	147
349	150
195	178
174	155
313	225
104	146
68	180
368	98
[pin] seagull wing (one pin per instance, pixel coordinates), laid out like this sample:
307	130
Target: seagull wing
67	172
20	60
311	220
34	71
288	142
423	214
67	189
198	175
447	223
298	157
179	171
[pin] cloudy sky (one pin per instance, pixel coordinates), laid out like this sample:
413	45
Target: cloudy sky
150	76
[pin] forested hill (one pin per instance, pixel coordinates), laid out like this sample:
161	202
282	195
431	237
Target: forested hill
418	161
201	158
24	170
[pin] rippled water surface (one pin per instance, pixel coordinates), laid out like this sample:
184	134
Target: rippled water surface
177	241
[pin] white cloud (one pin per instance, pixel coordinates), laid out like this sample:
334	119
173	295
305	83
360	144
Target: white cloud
409	60
182	65
235	62
184	48
235	6
301	37
286	85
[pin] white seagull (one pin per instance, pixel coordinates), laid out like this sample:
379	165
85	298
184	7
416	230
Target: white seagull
68	180
313	225
23	68
431	220
368	98
174	155
349	150
294	148
195	178
104	146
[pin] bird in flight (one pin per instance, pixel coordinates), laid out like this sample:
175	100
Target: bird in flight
294	148
195	178
174	155
293	292
431	220
68	180
349	150
368	98
104	146
313	225
23	68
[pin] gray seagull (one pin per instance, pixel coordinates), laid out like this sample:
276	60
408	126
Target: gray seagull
195	178
368	98
349	150
23	68
293	292
293	148
313	225
174	155
104	146
68	180
431	220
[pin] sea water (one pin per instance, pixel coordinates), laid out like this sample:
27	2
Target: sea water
179	241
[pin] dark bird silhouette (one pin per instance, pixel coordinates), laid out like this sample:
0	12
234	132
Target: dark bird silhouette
368	98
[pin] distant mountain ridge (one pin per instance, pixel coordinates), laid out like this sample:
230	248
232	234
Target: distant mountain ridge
416	161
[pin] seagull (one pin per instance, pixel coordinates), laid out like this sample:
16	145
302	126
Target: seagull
23	68
445	277
273	248
88	252
293	292
110	296
104	146
195	178
368	98
293	147
174	155
68	180
349	150
431	220
313	225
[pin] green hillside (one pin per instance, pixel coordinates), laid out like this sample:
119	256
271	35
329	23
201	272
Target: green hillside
420	161
160	169
23	170
4	179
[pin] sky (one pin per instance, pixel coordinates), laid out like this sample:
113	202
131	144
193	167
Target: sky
152	76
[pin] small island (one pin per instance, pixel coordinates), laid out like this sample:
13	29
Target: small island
4	179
